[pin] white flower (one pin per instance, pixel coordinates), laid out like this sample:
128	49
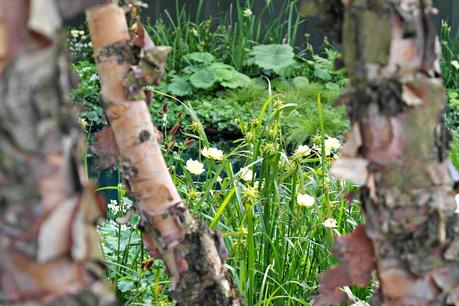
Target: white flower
331	144
330	223
303	150
305	200
247	12
246	174
113	205
212	153
457	203
75	33
455	64
195	167
164	119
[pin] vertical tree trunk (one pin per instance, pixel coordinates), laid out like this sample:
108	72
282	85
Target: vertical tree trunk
49	247
189	249
397	151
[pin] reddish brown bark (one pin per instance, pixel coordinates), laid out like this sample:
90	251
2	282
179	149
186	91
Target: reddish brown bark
49	245
397	151
188	248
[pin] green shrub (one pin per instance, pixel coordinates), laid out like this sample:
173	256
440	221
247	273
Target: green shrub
87	93
302	122
274	57
203	74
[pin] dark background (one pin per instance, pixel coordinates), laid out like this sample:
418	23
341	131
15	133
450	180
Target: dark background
449	11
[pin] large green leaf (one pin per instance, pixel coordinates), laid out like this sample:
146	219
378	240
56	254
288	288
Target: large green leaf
300	82
237	80
179	87
272	57
204	79
126	284
229	77
223	71
322	73
200	57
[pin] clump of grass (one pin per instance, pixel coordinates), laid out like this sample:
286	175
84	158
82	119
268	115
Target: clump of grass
303	122
229	37
450	56
270	204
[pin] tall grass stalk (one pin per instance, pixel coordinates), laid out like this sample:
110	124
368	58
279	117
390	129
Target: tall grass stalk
229	36
277	247
450	53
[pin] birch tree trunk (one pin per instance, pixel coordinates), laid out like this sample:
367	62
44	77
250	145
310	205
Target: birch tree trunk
188	248
49	247
397	151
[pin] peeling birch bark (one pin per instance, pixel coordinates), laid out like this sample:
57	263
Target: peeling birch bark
188	248
49	245
397	151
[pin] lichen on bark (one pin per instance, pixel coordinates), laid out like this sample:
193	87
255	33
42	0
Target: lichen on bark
48	240
187	247
397	150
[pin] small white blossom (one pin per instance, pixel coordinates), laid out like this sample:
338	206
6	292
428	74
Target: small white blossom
247	174
305	200
330	223
113	206
331	144
455	64
195	167
247	12
212	153
303	150
75	33
164	119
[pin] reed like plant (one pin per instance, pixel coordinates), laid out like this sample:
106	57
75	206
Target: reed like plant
279	212
450	55
228	36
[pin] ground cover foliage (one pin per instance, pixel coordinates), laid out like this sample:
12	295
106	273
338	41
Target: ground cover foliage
249	131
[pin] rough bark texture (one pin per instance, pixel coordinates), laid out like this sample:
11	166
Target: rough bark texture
188	248
49	247
397	151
